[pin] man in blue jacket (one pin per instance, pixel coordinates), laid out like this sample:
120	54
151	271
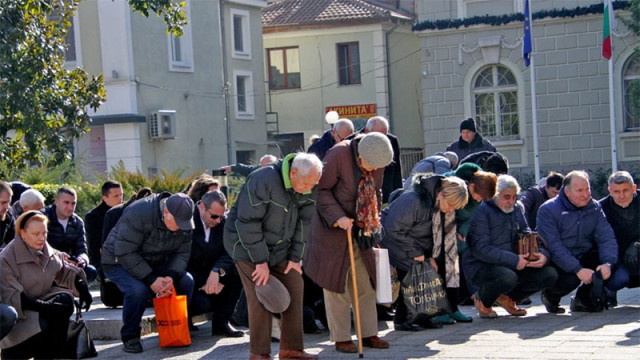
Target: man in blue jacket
579	238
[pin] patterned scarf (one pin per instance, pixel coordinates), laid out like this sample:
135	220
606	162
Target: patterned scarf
452	269
367	217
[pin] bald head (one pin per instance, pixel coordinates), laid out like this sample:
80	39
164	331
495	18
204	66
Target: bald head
377	124
342	129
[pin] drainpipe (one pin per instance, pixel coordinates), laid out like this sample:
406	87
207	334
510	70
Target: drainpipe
225	80
386	49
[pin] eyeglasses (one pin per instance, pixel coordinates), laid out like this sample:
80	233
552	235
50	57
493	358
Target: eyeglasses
215	217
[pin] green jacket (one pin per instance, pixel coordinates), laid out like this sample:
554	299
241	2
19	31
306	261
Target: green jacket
270	221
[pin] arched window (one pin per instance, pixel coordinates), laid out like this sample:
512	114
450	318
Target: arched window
495	96
631	90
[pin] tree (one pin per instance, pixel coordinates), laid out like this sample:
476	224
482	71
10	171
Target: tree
43	106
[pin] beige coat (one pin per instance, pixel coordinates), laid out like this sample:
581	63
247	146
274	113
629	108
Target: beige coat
20	272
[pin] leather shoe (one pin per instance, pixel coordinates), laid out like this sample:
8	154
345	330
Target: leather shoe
460	317
484	311
430	323
346	346
525	301
551	307
132	346
445	320
508	304
375	342
259	357
296	355
226	331
405	326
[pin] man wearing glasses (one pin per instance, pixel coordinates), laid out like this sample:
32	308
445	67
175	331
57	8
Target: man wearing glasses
216	283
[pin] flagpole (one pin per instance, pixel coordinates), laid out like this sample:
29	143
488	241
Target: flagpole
534	105
612	117
609	21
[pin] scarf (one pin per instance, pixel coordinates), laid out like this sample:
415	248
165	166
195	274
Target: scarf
446	235
367	217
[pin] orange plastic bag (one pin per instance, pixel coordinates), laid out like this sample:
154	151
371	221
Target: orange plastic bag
171	319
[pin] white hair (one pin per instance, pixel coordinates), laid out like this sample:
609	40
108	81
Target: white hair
377	120
30	198
306	163
621	177
343	124
506	182
269	158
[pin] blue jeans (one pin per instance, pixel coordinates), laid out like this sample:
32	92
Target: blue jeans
136	295
619	279
8	318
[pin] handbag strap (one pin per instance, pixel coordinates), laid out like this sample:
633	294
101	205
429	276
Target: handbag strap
78	310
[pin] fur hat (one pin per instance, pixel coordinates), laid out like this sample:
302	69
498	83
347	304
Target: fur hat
274	296
468	124
375	149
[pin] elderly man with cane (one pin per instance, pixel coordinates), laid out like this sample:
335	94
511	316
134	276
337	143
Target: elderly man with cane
350	189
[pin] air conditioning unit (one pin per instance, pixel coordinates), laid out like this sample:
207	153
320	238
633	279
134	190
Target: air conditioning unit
162	124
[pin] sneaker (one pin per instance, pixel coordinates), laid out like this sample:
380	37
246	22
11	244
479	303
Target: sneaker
460	317
552	308
445	319
484	311
508	304
132	346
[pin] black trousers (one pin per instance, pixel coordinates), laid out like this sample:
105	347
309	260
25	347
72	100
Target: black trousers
568	281
495	280
221	304
50	342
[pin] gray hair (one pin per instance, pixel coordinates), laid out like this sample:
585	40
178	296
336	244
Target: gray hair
575	173
343	124
506	182
268	157
452	157
306	163
30	198
621	177
376	121
213	196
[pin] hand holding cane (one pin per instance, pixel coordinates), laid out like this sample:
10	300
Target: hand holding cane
356	301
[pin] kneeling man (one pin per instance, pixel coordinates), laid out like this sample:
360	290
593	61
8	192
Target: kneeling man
502	276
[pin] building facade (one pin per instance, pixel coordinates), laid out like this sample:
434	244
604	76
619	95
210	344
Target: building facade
191	102
474	68
356	57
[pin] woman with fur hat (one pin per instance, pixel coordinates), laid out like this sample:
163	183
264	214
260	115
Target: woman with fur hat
349	199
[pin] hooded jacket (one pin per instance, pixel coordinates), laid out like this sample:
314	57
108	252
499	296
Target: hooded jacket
270	221
407	223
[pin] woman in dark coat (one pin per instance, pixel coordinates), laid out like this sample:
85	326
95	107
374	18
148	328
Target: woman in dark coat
411	223
349	189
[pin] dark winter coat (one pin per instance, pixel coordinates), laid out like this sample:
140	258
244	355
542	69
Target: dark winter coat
493	238
437	164
71	241
142	244
270	221
571	232
94	223
463	148
327	257
243	169
7	229
205	256
532	199
322	145
393	172
407	223
624	221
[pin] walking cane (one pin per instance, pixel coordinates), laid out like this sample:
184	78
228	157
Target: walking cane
356	301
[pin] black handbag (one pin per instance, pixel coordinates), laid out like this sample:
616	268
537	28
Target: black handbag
79	342
592	297
423	292
365	241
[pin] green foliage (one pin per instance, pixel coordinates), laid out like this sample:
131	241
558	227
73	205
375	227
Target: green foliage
44	103
496	20
634	22
89	195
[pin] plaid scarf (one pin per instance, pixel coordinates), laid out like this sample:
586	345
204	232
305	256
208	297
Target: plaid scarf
446	236
367	216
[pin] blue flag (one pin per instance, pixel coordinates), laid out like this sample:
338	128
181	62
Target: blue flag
526	48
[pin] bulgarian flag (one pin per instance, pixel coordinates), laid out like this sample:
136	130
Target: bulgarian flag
607	23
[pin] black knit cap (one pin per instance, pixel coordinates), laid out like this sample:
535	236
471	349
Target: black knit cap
468	124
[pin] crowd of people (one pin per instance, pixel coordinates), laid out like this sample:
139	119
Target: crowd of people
459	212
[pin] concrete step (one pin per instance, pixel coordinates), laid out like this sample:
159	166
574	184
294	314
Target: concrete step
104	322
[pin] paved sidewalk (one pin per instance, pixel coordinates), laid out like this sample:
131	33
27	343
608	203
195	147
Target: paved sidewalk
613	334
